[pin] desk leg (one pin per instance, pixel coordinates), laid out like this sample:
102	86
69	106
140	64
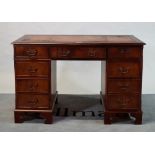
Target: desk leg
107	118
23	115
138	117
19	117
48	116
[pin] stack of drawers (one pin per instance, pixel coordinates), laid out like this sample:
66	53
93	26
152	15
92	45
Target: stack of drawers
124	78
78	53
33	81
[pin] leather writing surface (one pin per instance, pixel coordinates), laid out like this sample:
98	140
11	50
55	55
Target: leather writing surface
78	39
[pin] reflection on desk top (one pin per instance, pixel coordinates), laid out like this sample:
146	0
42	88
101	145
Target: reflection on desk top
79	40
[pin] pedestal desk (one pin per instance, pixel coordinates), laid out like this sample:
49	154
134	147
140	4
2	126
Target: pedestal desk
35	72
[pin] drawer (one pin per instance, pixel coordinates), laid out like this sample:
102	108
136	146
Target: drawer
124	52
32	101
78	53
32	68
123	69
31	52
123	86
119	102
32	85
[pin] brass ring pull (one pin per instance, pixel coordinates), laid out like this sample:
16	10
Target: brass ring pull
65	53
92	53
32	70
32	53
33	86
123	50
33	102
123	86
121	103
123	70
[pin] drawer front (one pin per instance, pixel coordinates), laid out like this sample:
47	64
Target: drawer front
124	52
78	53
126	102
30	68
31	52
32	85
28	101
123	86
123	70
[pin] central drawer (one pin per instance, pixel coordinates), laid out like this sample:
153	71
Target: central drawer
78	53
32	85
32	68
32	101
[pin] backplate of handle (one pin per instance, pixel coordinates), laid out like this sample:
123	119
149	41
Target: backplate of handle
123	70
92	53
33	102
123	50
33	86
32	70
65	53
31	53
123	86
121	102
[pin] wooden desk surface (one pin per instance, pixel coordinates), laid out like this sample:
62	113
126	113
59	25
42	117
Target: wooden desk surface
79	40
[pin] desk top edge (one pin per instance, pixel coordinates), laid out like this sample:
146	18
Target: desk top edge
79	40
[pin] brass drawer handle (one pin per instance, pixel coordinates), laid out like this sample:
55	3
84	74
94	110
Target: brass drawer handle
65	53
92	53
33	87
121	103
32	53
33	102
32	70
123	70
123	86
124	102
123	50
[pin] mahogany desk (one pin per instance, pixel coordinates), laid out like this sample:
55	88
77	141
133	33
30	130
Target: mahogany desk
35	72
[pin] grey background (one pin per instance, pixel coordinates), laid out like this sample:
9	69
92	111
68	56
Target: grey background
77	76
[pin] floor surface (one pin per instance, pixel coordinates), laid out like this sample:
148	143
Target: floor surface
77	114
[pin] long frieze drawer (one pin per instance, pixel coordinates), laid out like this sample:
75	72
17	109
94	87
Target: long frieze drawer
123	69
78	53
31	52
32	85
123	86
32	68
32	101
119	102
124	52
